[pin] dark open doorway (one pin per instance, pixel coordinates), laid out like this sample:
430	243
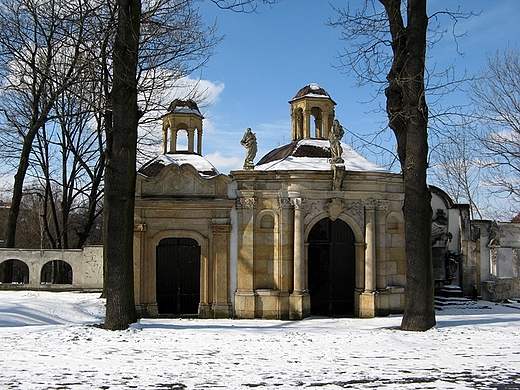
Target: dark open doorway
332	268
178	276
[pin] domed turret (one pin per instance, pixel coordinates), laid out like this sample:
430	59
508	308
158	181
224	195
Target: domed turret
308	152
182	115
311	101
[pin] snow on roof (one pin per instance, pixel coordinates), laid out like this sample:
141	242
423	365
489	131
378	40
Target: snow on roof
186	110
203	166
311	90
184	107
316	161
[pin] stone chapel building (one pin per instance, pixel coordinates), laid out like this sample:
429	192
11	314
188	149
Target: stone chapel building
300	234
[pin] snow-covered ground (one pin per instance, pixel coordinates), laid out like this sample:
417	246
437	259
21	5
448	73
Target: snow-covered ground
47	342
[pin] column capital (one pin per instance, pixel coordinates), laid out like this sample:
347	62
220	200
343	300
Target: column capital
298	203
375	204
247	203
284	203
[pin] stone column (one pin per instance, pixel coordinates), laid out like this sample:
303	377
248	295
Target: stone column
306	124
299	300
294	124
299	245
165	137
370	253
367	297
173	140
191	140
381	266
199	141
286	269
319	128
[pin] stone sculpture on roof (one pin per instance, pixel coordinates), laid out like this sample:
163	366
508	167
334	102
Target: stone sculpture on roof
249	142
335	136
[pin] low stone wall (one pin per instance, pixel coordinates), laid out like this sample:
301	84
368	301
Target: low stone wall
86	264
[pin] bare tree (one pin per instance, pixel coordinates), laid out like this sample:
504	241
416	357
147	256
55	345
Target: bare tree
457	166
391	37
40	43
496	96
68	163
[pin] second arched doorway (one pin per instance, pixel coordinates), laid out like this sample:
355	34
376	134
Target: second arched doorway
331	268
178	276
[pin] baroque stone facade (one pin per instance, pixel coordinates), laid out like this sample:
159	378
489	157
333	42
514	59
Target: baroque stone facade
295	236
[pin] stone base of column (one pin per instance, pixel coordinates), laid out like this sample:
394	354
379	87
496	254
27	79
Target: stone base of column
204	311
245	304
147	310
267	304
299	305
367	305
284	306
221	310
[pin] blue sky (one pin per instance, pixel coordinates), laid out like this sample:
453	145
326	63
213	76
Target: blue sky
267	57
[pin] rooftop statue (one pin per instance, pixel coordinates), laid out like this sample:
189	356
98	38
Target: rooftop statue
249	142
335	135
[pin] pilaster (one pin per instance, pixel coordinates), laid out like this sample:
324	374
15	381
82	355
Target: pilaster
244	296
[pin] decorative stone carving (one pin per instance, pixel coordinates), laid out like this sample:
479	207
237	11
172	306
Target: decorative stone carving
451	265
248	203
355	210
140	227
298	203
334	208
382	205
284	203
493	257
339	174
440	234
499	289
370	204
313	211
494	235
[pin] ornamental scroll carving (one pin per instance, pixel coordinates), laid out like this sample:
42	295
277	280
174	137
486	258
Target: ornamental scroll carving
355	210
314	210
284	203
375	204
248	203
494	235
334	208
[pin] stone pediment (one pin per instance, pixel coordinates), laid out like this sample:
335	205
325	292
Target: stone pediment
181	181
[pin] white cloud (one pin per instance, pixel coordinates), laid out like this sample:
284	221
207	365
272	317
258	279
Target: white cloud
204	92
224	164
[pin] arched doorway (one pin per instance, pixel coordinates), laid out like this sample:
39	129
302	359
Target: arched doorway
332	268
178	276
14	271
56	272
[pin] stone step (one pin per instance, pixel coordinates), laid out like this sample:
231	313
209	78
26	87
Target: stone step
443	301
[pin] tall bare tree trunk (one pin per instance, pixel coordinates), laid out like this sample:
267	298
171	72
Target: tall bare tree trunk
120	172
408	115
